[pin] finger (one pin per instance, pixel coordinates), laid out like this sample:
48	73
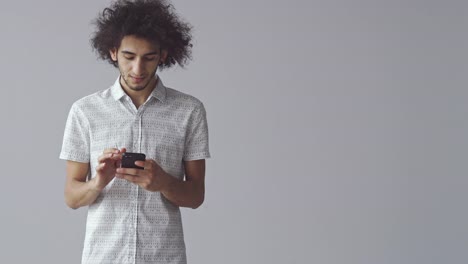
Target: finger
129	171
109	156
111	150
100	166
128	177
104	157
144	164
148	164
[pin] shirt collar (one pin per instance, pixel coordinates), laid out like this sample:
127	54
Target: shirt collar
159	92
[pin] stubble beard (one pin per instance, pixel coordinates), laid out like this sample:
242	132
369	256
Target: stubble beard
138	88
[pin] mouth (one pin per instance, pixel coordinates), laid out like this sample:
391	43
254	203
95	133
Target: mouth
137	79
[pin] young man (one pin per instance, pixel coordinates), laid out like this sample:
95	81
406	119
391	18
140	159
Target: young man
133	214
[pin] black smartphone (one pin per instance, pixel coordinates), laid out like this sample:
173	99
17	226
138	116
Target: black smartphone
129	158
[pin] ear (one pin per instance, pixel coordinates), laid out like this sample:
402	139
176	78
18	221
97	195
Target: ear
163	55
113	54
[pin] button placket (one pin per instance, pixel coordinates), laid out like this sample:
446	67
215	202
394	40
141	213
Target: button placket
136	148
133	222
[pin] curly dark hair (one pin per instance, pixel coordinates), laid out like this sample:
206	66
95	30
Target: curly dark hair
154	20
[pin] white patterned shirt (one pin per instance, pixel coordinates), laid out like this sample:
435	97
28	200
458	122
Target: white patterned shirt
127	224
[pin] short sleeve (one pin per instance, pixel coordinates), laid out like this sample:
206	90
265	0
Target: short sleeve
196	141
76	143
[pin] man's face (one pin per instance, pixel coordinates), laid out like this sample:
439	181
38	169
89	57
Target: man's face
138	60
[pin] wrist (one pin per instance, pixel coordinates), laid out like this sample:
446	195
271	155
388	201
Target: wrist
95	185
168	182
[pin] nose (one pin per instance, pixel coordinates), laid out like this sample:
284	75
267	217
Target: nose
138	67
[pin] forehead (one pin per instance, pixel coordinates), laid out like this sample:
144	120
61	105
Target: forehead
137	45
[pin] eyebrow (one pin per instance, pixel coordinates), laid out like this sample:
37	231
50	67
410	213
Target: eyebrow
133	54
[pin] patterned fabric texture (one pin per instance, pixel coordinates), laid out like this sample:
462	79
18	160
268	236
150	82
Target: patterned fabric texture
127	224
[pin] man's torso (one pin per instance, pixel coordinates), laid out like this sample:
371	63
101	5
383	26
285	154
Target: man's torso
127	224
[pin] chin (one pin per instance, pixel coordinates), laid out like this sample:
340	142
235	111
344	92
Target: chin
138	88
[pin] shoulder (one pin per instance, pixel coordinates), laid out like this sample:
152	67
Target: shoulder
91	101
183	100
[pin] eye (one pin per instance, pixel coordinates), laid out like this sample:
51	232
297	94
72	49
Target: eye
151	58
129	57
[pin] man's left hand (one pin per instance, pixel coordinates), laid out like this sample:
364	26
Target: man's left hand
152	178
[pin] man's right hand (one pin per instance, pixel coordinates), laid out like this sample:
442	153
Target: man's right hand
78	191
108	162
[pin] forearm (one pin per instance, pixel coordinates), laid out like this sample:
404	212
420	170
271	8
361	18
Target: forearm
184	193
78	194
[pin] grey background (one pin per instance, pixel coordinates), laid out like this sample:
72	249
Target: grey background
338	129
